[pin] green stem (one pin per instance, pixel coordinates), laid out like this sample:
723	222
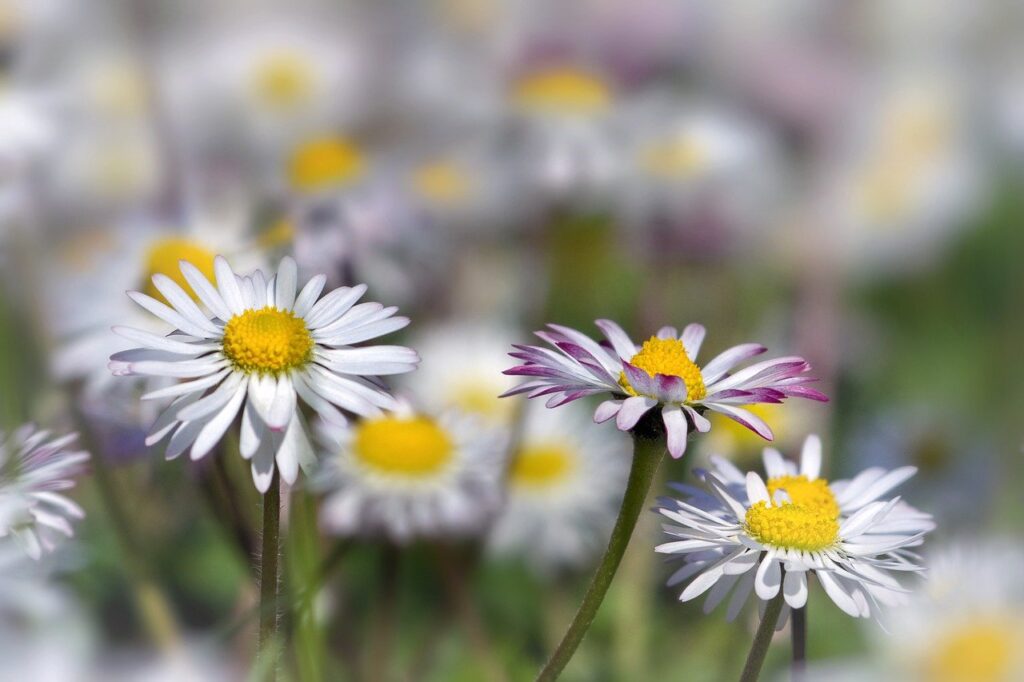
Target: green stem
267	644
799	636
154	610
648	450
762	640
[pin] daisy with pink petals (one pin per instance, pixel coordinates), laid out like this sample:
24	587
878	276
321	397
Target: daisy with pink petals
660	373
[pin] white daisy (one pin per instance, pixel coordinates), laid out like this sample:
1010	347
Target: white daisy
462	369
564	487
34	472
769	538
963	624
406	475
258	351
802	484
564	147
660	373
85	289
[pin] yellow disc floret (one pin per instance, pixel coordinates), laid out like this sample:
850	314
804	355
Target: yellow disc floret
683	157
325	163
563	91
980	651
267	341
791	526
443	183
806	493
668	357
164	257
403	446
541	465
284	80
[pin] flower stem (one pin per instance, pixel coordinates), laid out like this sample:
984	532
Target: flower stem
267	644
648	450
762	640
799	636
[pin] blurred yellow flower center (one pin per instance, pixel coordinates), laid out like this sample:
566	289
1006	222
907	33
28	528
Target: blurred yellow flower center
976	652
480	398
541	465
668	357
283	80
325	163
414	447
680	158
164	257
281	233
792	526
267	341
563	90
442	182
806	493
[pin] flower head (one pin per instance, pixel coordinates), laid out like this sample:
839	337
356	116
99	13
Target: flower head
565	482
792	525
662	372
260	348
34	471
406	474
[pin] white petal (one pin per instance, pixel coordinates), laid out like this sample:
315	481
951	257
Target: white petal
216	427
757	491
768	578
794	588
632	409
206	292
287	281
810	458
228	286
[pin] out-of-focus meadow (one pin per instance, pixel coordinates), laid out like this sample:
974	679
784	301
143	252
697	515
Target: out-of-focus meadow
836	180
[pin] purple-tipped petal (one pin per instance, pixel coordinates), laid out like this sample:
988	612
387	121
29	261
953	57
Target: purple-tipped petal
726	360
641	381
631	411
676	430
670	388
668	332
621	343
607	410
699	421
746	418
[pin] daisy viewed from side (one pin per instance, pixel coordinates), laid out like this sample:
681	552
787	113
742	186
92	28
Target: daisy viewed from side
659	373
35	470
405	474
261	347
769	536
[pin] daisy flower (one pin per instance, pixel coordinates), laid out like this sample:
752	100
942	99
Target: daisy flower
260	348
404	474
660	373
34	472
768	537
565	483
463	370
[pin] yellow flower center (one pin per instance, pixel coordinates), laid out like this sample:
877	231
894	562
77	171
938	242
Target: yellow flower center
680	158
284	80
806	493
792	526
541	465
164	257
325	163
412	447
563	91
668	357
480	398
975	652
267	341
442	182
280	234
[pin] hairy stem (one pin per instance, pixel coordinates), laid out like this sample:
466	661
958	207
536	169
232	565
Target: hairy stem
267	645
762	640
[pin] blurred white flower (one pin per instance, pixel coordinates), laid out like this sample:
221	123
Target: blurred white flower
461	368
262	345
563	143
35	470
406	475
565	482
906	177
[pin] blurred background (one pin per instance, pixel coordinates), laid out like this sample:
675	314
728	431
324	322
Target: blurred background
839	180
